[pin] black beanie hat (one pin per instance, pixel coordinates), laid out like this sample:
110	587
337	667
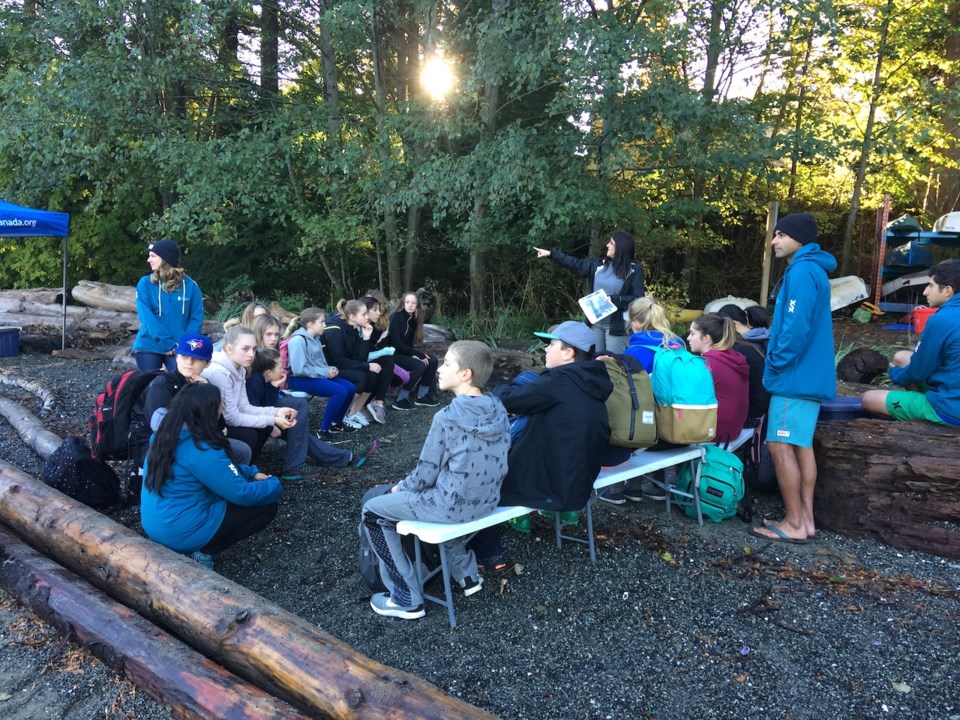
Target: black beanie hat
802	227
166	249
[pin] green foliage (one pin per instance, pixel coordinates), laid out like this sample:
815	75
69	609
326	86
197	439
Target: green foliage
491	328
678	121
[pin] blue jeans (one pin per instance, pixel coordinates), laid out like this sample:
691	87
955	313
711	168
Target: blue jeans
339	391
154	361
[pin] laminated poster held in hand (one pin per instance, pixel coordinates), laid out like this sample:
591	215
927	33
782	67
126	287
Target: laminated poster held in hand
596	306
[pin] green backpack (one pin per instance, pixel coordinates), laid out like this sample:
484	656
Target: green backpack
721	483
631	409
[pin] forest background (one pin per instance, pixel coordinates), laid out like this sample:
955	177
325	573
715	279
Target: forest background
293	152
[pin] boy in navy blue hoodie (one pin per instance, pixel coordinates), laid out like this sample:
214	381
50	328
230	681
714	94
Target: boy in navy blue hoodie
799	372
934	366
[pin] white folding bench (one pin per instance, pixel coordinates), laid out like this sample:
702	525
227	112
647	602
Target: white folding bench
439	533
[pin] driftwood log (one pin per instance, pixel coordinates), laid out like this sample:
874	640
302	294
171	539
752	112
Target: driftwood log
45	296
899	481
29	427
158	663
119	298
272	648
39	389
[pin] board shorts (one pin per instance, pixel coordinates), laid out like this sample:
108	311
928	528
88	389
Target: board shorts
792	420
910	405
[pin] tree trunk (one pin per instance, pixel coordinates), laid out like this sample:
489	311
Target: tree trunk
867	146
159	664
488	121
899	481
270	48
261	642
390	235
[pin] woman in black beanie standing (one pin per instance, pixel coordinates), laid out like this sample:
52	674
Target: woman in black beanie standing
169	305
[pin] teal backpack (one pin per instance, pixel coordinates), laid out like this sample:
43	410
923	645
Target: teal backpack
686	399
721	483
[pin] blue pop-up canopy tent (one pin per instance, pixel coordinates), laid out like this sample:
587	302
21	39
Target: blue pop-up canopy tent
19	221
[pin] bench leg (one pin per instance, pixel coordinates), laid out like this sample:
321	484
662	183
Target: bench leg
448	592
445	569
590	539
695	468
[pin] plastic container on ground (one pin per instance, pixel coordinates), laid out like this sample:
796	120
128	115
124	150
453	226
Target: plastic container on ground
9	341
920	316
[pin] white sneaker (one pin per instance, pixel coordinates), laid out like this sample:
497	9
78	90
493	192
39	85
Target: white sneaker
352	422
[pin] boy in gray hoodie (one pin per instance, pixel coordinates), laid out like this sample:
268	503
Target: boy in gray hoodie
457	479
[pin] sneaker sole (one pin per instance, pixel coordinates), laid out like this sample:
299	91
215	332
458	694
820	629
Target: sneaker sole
423	404
612	501
641	498
399	612
401	407
467	592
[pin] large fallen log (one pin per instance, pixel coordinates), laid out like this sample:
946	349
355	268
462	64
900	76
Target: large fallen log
120	298
277	651
899	481
47	296
158	663
29	428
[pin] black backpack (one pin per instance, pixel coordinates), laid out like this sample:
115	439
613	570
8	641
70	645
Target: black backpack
370	564
110	424
73	471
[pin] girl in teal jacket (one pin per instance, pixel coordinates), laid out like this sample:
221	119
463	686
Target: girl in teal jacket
169	305
195	499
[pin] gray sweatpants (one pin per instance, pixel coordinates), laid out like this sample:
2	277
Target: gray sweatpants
379	517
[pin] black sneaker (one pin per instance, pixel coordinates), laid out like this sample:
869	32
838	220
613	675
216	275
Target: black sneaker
428	400
471	585
342	428
405	404
646	490
612	494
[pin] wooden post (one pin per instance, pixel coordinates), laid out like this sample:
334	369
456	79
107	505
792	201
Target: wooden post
259	641
772	210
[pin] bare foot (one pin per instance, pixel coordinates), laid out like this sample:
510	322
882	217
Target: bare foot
780	531
810	529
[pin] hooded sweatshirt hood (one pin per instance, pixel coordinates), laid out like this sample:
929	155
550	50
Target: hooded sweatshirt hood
481	416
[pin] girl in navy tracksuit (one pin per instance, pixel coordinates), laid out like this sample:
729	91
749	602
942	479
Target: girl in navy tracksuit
169	305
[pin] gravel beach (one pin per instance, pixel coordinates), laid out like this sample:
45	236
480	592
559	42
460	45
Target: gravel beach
673	621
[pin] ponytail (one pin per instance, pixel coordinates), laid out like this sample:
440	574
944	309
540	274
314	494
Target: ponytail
721	331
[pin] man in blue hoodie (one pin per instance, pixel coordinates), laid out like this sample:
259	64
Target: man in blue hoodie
799	372
935	365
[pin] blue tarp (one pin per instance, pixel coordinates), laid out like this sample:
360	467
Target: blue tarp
19	221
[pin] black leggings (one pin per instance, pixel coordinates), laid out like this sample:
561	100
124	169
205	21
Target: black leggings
238	523
367	381
419	373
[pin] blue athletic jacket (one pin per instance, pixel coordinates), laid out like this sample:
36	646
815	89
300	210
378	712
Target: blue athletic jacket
800	356
936	363
192	503
166	316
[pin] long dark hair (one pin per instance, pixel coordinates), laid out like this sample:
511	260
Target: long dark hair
622	254
197	407
417	317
